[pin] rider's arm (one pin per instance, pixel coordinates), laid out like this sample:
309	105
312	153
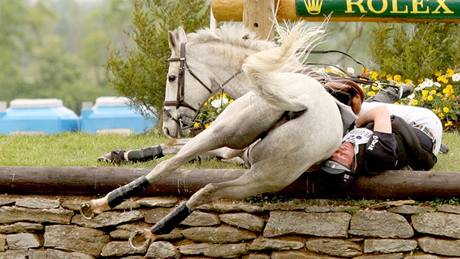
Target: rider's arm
379	115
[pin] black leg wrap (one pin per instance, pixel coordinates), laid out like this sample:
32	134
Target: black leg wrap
168	223
123	192
145	154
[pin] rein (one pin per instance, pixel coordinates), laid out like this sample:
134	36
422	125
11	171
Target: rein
180	96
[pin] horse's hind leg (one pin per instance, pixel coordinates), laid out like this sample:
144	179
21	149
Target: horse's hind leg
143	154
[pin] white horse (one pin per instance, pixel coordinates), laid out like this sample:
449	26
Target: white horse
280	152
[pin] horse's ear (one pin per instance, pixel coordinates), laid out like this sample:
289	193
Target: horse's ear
181	35
175	38
172	40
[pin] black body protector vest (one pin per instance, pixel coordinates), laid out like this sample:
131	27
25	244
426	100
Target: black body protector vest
409	151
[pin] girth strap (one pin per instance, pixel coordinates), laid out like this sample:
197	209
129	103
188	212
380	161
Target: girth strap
287	116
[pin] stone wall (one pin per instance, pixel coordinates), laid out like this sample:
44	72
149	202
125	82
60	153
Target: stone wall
51	227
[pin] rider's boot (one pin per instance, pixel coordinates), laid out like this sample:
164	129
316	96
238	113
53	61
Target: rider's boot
391	94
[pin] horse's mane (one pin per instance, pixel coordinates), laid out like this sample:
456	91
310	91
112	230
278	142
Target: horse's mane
234	34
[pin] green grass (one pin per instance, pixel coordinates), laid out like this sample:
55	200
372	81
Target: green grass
75	149
451	160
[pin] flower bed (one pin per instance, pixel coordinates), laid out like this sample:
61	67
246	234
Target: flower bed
438	93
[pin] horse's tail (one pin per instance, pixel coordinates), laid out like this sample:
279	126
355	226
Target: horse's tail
263	68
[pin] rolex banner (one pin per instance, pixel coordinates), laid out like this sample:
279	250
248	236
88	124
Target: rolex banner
397	9
348	10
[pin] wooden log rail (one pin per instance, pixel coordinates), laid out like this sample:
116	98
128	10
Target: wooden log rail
100	180
346	10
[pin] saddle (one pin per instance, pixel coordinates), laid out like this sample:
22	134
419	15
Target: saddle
346	92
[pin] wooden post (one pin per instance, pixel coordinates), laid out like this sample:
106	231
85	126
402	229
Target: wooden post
258	16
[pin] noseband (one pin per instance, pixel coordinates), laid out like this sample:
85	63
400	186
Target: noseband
180	96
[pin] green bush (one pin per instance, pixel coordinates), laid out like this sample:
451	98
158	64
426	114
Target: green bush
425	55
139	72
415	51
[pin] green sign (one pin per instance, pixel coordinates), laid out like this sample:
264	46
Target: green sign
412	9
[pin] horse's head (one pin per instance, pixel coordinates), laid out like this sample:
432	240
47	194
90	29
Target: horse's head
187	87
200	64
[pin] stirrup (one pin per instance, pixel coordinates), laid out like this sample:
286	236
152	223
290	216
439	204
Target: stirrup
86	211
137	240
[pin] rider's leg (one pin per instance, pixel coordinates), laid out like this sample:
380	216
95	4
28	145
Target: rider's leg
391	94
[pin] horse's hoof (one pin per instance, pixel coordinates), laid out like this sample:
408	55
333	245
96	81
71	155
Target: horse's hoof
86	211
104	159
114	157
138	240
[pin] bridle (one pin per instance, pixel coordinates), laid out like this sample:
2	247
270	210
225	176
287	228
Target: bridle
180	96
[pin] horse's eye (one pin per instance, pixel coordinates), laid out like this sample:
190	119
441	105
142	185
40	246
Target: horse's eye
171	78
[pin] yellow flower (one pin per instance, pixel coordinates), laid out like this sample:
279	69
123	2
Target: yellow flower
373	75
413	102
448	123
441	115
424	93
408	82
441	78
374	88
389	77
370	93
397	78
430	98
206	125
196	125
438	73
445	109
450	72
433	92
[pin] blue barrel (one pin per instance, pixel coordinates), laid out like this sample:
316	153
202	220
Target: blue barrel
115	115
37	116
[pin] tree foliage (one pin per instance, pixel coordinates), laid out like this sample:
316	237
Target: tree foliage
12	31
140	72
58	49
416	51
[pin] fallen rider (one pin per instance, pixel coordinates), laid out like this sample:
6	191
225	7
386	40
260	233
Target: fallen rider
386	137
